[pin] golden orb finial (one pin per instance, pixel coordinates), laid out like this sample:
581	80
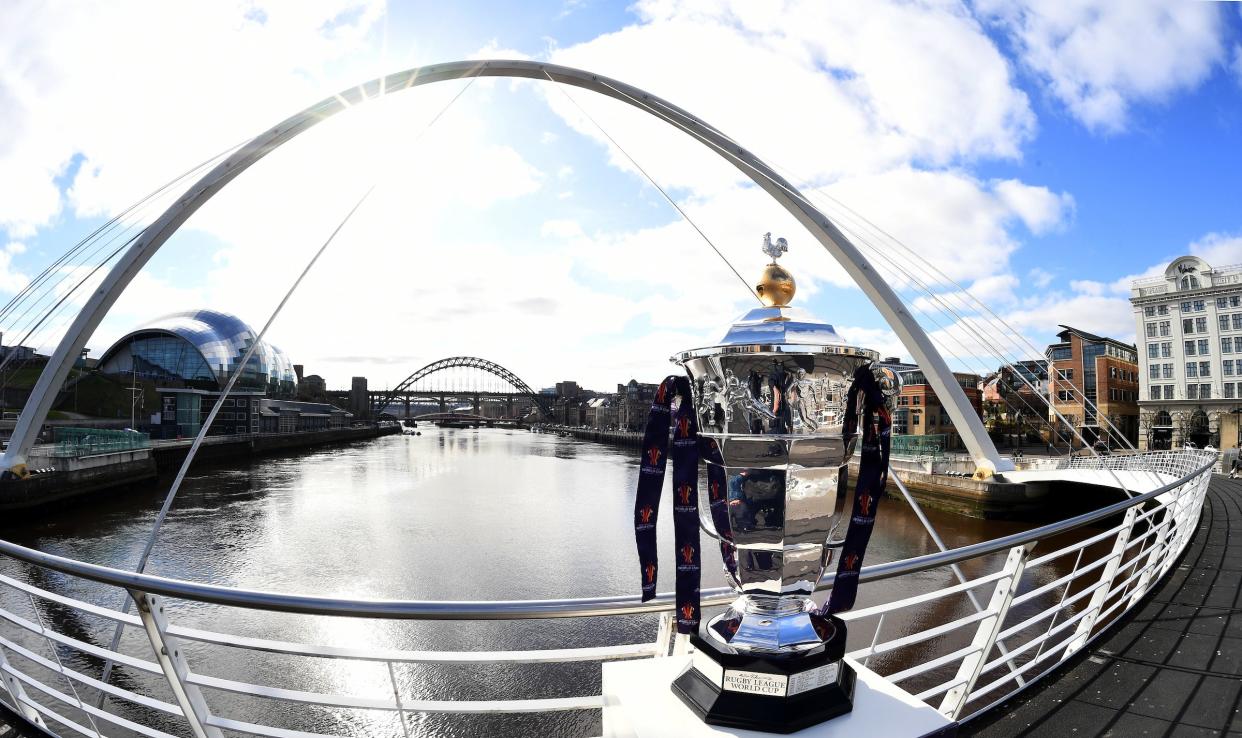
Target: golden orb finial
776	285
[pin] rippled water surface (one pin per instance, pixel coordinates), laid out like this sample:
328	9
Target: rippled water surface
449	515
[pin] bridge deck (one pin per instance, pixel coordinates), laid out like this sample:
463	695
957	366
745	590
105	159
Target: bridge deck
1174	668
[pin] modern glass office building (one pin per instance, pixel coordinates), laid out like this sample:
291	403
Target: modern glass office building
190	357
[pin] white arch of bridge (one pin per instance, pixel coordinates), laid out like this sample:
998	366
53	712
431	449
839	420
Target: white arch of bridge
894	311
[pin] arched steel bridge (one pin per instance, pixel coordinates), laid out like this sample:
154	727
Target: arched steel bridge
382	401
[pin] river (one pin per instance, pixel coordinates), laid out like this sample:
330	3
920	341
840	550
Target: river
449	515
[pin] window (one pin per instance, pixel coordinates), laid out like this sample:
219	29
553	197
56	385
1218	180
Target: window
1186	306
1151	330
228	403
1222	303
1205	392
1235	301
1151	311
1190	348
1192	392
1164	327
1226	345
1166	350
916	417
1153	351
1162	310
1223	320
1188	325
1237	321
1192	369
1228	387
1226	367
1155	392
1205	368
1203	347
1168	371
1153	371
1200	325
1199	304
918	401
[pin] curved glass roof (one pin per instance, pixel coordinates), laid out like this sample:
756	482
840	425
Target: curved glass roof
221	339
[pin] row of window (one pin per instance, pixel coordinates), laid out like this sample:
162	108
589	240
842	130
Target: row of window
1164	327
1124	375
1195	369
1230	322
1229	391
1198	306
1120	395
1197	347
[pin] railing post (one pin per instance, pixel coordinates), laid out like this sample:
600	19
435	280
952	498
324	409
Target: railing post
171	658
664	634
985	635
1098	598
17	693
1164	543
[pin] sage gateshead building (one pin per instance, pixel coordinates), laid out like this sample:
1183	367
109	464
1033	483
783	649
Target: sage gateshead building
190	357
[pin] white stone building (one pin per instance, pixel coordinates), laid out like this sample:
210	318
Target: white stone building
1188	327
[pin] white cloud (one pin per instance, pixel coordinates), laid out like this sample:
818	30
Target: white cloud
1098	58
124	87
1040	277
1038	207
1088	287
839	75
11	280
1237	62
1219	249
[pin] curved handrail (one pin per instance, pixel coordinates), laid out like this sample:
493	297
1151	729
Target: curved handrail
532	609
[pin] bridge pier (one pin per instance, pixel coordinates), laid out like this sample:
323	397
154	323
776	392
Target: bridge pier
442	404
478	405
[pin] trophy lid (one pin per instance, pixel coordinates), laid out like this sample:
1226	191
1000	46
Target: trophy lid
776	327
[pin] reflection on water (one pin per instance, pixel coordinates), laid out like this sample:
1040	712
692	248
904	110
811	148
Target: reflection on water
450	515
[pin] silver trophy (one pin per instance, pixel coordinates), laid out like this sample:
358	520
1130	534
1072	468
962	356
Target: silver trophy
771	396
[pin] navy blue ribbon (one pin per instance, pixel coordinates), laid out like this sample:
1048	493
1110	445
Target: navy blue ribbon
685	455
876	423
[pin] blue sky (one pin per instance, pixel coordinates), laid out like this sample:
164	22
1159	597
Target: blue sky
1041	155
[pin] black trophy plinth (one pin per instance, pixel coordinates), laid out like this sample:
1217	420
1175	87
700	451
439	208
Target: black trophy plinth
734	689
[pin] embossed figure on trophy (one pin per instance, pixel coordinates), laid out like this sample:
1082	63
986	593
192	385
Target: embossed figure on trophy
804	401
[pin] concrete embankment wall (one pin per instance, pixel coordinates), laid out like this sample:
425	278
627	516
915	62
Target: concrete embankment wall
962	495
631	439
169	454
45	492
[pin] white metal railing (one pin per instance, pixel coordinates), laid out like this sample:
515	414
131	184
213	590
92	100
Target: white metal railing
1046	593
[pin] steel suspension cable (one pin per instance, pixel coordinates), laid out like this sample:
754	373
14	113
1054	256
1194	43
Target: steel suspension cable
654	184
211	416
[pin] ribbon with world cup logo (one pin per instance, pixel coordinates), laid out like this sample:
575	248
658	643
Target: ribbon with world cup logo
875	421
685	457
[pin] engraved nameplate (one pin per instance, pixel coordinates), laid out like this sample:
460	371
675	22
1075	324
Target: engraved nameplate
815	678
754	682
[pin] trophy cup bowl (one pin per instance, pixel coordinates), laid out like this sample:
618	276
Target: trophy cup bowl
771	396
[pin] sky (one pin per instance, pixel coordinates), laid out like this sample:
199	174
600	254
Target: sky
1040	155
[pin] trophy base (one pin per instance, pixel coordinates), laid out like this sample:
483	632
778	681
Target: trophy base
770	692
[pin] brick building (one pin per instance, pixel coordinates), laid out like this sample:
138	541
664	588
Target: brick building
1094	384
919	412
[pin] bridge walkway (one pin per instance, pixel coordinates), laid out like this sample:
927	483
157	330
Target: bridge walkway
1173	668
